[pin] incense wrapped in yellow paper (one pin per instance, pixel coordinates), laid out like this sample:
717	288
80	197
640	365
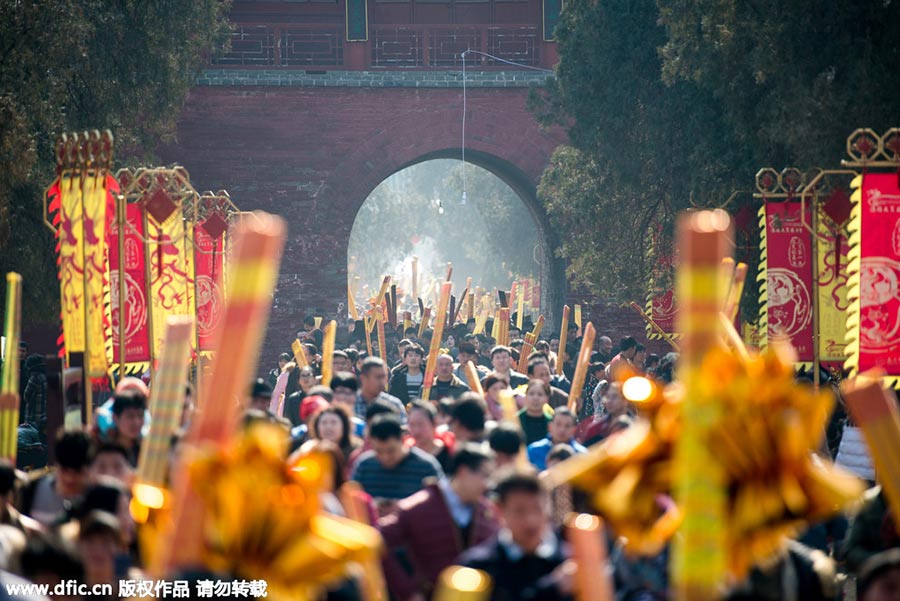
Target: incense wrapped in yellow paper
351	304
435	348
584	361
578	317
520	310
470	306
563	339
328	351
732	304
426	317
379	324
698	563
503	329
254	270
481	321
368	331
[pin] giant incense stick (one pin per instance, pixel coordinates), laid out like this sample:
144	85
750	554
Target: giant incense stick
254	270
368	331
875	411
299	353
435	347
578	317
9	389
735	291
530	339
379	325
457	583
698	563
351	304
520	309
563	338
166	405
328	351
584	361
585	533
472	378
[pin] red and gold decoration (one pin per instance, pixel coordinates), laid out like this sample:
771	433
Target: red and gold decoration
873	321
81	207
128	287
211	218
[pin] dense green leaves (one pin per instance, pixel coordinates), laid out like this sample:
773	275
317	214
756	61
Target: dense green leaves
676	103
67	65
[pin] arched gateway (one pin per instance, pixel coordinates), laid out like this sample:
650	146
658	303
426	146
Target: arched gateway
312	144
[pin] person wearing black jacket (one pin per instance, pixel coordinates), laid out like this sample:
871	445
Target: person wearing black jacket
526	560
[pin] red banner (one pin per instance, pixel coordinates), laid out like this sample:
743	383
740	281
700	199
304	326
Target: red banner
208	267
879	281
662	311
137	331
789	272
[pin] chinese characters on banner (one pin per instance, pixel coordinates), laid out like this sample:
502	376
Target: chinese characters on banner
788	265
136	326
208	268
876	311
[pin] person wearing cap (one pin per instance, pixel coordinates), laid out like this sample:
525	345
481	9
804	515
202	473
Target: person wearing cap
128	411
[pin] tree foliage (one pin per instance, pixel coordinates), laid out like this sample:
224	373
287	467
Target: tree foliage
677	103
71	65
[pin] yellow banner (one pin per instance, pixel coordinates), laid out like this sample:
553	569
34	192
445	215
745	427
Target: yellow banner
833	257
170	288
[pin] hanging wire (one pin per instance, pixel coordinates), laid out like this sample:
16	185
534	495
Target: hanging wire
464	95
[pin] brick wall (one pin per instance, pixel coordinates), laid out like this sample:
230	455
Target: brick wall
314	153
373	79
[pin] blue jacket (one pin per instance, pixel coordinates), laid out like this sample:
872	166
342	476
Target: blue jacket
538	451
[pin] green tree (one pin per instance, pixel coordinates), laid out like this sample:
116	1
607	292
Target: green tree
641	151
71	65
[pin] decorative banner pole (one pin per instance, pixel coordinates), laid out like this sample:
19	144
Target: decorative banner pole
9	389
656	327
253	274
435	347
563	338
698	561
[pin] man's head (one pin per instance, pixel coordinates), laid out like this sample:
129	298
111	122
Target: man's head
413	356
628	346
372	377
340	361
110	460
23	351
562	427
468	417
72	450
613	401
386	438
640	355
514	333
525	507
470	471
559	453
260	395
444	367
309	323
283	359
501	358
343	389
879	577
422	420
554	343
466	353
403	345
605	345
128	414
539	369
505	441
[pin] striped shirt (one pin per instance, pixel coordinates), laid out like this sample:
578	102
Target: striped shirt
400	482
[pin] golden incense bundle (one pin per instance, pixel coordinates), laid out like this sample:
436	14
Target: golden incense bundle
698	564
328	351
166	406
472	378
392	313
481	321
584	361
463	298
585	533
563	339
457	583
407	321
520	311
578	317
368	331
449	272
382	345
435	348
503	329
299	353
875	411
470	306
9	389
253	272
426	317
530	339
351	304
735	291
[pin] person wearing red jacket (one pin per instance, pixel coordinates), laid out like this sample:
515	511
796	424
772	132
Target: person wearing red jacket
438	523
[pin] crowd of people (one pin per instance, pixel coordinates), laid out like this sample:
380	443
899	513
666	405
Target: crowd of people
453	479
